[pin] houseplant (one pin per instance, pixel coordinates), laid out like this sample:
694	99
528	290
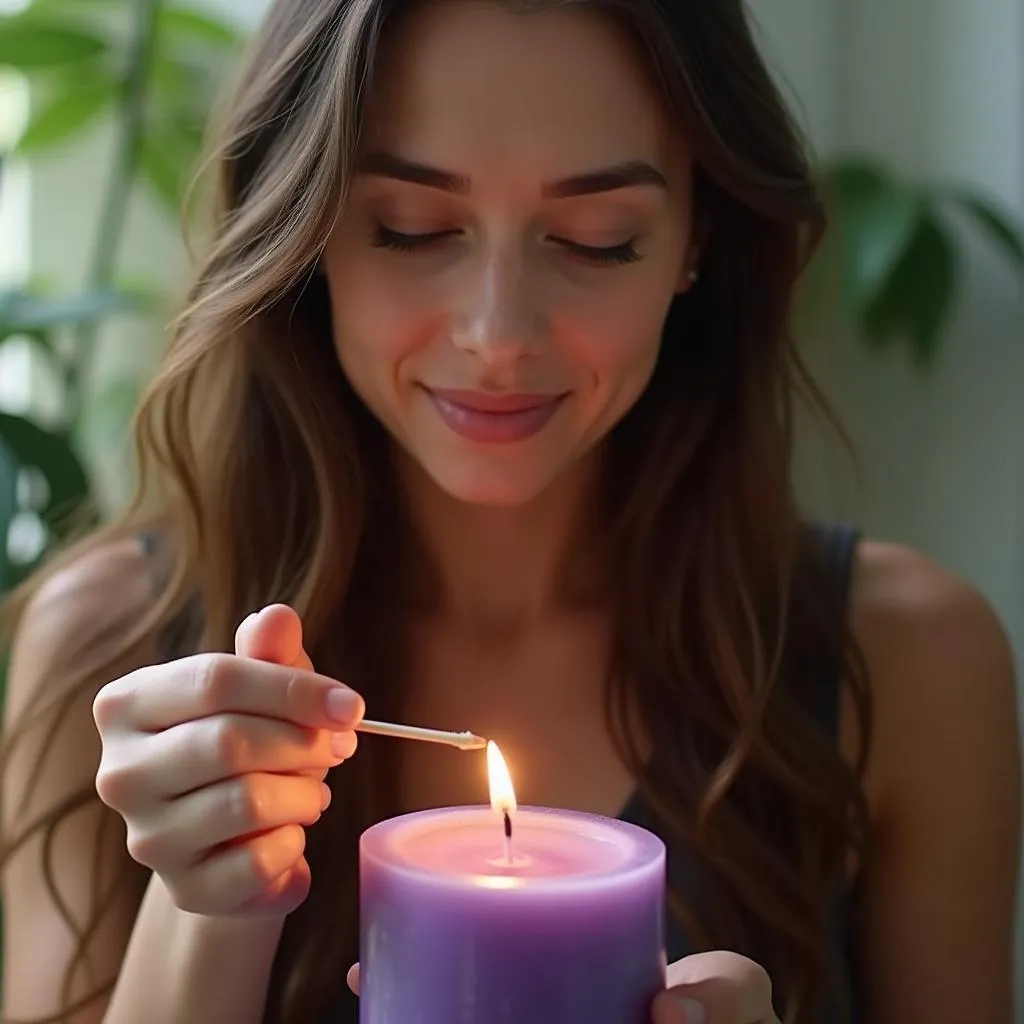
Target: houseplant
153	68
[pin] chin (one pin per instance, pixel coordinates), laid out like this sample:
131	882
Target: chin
493	486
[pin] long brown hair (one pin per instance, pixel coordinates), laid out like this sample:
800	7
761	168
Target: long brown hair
719	587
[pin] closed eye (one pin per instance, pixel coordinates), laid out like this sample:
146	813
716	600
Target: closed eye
609	255
399	241
612	255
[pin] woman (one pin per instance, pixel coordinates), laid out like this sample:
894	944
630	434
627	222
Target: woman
484	390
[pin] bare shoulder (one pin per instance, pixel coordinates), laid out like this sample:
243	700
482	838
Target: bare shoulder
934	645
944	785
67	643
74	610
896	587
939	661
100	584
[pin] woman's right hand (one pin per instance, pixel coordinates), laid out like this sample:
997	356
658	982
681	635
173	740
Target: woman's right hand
216	763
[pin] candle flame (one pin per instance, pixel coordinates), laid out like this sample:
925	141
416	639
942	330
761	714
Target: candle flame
503	795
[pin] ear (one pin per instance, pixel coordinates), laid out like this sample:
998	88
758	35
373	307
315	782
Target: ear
689	272
689	275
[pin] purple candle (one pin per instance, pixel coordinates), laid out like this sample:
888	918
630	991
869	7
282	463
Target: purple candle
493	915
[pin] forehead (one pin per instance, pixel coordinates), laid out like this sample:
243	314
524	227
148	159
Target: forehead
471	83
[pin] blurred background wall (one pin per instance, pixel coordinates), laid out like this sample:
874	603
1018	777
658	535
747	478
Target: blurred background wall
936	88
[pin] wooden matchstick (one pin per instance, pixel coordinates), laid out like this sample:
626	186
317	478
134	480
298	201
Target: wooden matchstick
462	740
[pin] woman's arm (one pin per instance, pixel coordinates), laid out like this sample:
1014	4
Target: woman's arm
187	969
940	881
170	966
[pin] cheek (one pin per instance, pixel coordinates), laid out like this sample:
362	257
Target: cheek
380	319
616	334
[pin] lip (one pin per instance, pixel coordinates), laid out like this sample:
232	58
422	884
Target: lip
489	418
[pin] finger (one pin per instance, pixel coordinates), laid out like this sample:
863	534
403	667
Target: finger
320	774
240	875
189	828
353	978
703	1005
273	634
283	895
186	757
710	988
159	697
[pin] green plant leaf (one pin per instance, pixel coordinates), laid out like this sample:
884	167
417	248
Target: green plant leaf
163	173
852	177
74	6
874	218
31	43
918	296
187	25
170	78
52	455
27	313
166	160
181	88
998	226
874	232
8	510
67	113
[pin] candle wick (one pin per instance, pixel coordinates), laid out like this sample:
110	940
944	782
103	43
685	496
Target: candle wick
508	837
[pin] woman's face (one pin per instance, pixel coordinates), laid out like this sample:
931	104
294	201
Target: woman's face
518	224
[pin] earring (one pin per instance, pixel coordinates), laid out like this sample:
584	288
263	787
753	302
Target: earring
694	276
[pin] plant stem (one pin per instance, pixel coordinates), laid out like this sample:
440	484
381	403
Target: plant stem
130	127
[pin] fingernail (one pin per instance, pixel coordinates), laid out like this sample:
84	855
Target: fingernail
342	704
693	1012
325	797
341	745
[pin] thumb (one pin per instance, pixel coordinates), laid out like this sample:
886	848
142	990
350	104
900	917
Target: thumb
679	1006
715	988
273	634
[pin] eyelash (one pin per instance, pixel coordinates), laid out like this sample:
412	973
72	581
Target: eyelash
614	255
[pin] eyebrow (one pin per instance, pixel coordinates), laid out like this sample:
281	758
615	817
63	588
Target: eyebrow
606	179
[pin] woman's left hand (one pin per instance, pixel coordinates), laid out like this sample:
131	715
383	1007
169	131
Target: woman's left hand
715	988
707	988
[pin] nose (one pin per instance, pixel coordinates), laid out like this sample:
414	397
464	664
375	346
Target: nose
500	320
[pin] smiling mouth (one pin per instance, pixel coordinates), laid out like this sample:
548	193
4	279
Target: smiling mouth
488	418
